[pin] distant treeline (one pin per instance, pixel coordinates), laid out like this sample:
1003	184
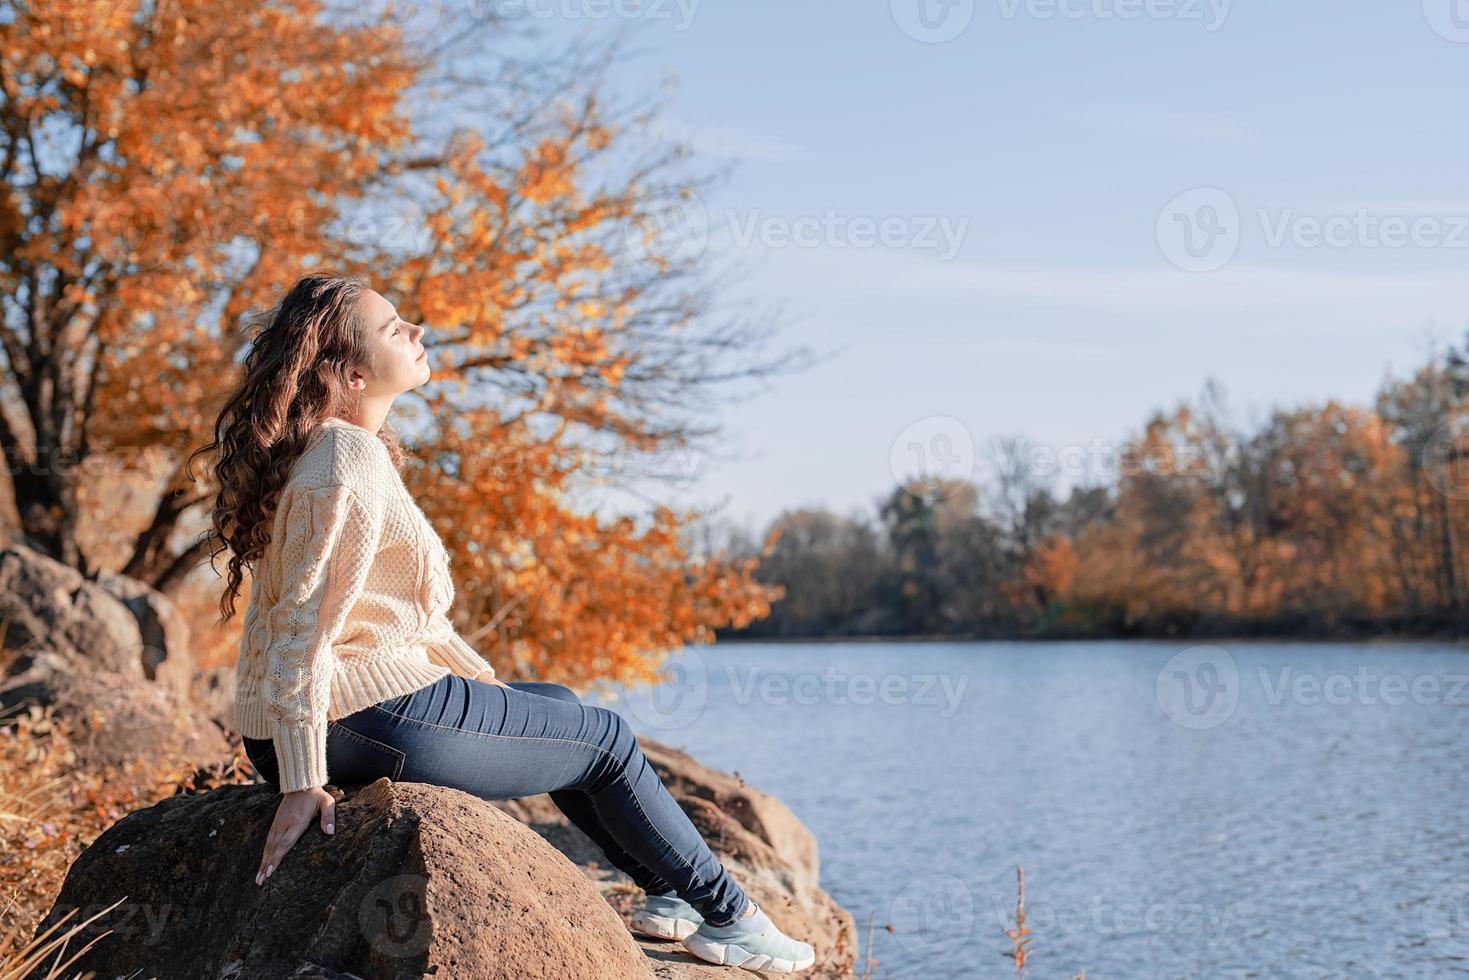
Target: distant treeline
1321	521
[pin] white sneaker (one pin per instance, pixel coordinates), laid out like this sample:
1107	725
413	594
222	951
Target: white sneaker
666	917
753	943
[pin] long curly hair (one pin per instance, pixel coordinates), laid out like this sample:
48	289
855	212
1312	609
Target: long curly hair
294	376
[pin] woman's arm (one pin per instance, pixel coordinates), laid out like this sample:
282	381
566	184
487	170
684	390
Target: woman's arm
330	541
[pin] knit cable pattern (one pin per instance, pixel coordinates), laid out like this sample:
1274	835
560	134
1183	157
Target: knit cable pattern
349	604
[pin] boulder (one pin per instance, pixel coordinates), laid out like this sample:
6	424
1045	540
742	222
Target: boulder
111	655
55	617
425	880
165	634
418	880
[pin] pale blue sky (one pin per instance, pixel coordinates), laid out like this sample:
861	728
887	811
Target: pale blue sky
1057	148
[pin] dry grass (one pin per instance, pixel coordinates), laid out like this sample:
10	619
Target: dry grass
50	810
28	954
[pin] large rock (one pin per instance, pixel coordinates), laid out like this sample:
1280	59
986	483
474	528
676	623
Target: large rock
55	618
111	655
418	880
421	878
166	651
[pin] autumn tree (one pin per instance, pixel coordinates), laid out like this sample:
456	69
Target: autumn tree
172	165
805	545
1427	418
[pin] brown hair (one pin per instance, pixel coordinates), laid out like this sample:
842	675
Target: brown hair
295	375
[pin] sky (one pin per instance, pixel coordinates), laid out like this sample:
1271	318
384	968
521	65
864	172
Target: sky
1051	218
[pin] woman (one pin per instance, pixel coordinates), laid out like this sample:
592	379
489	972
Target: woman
349	667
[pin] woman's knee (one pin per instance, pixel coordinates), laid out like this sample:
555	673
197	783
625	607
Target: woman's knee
617	731
559	691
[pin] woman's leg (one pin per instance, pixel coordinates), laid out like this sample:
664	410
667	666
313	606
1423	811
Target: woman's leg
504	742
578	807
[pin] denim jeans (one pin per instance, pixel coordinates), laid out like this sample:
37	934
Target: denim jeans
500	743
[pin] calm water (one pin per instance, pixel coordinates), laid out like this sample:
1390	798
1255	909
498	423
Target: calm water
1228	810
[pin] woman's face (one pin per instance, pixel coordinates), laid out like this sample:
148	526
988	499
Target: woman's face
399	359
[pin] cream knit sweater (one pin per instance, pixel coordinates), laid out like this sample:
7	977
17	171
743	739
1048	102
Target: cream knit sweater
348	604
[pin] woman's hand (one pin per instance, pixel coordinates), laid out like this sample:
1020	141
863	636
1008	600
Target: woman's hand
489	678
291	819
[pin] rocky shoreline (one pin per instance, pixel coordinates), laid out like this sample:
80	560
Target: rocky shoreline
423	880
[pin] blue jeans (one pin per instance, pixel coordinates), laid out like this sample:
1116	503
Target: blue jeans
500	743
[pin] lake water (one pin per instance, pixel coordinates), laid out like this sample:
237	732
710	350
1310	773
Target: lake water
1230	809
